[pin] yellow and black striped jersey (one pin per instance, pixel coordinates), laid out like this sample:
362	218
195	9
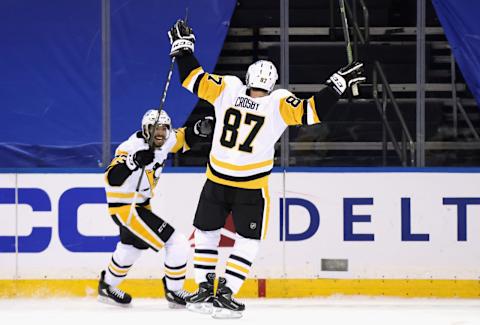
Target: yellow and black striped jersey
247	128
122	189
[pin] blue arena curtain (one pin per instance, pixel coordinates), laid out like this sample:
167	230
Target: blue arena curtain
461	23
51	85
50	91
140	55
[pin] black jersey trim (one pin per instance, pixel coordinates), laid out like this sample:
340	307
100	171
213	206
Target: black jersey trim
238	179
197	83
324	100
117	205
186	64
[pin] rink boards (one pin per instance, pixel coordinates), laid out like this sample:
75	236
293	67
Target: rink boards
410	232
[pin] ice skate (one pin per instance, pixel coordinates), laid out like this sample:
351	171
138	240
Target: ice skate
224	305
176	299
112	295
201	301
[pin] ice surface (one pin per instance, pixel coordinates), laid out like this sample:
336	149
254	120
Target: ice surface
334	310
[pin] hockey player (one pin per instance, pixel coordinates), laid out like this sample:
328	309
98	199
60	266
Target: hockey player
250	119
143	229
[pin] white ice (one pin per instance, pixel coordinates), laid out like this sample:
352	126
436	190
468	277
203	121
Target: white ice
328	311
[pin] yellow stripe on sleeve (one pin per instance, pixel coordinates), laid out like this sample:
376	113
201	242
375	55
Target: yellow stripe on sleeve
210	87
121	153
192	74
291	110
181	143
116	160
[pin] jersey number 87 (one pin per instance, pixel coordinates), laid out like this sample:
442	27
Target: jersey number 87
231	123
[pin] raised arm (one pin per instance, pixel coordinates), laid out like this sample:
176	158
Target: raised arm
203	84
296	111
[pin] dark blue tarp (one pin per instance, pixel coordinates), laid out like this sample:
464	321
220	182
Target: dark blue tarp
51	73
461	23
140	60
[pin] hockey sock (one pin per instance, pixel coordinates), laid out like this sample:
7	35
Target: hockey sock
176	254
122	260
240	261
205	257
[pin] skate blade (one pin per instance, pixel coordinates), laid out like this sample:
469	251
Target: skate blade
223	313
174	305
201	308
108	301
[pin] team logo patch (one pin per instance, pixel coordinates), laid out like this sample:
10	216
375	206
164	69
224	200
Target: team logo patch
253	225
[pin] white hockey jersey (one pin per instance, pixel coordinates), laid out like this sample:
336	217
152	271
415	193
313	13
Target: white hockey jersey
247	128
124	193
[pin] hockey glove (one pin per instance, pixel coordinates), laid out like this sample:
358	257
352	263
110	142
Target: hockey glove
346	77
204	127
140	159
181	38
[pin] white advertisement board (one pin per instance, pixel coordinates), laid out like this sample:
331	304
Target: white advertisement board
365	225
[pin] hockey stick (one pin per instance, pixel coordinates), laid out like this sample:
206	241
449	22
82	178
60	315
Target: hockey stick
151	139
348	43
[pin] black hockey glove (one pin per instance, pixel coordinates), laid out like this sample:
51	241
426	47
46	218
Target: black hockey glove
140	159
346	77
181	38
204	127
143	157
